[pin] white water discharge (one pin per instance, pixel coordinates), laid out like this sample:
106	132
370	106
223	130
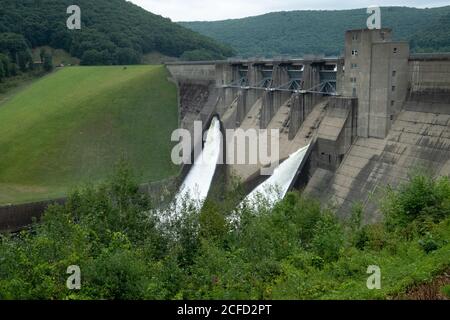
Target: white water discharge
197	183
275	188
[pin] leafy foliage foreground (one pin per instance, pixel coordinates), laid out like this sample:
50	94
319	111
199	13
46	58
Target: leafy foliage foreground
298	250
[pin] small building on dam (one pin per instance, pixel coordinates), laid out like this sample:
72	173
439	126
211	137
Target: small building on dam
374	115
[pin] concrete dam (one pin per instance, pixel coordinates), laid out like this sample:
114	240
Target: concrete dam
346	126
372	116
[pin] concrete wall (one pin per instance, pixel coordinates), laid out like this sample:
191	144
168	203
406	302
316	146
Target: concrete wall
198	93
428	101
358	70
192	97
340	76
16	217
336	133
242	106
226	74
416	141
280	77
311	78
255	77
268	109
388	85
297	114
193	71
429	73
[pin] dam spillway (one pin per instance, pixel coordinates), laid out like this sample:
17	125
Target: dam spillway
275	188
371	126
196	185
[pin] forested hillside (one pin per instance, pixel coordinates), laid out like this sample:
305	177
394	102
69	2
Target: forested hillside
434	38
112	32
322	32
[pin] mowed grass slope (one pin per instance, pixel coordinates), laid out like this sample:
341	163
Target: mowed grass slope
71	127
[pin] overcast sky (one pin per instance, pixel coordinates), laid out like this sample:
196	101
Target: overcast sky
209	10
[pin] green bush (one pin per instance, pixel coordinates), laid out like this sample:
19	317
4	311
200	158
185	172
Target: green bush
328	239
446	291
429	243
298	250
422	199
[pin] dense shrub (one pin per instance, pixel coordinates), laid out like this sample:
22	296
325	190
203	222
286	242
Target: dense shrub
298	250
417	204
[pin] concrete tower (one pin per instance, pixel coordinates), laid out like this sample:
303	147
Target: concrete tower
376	72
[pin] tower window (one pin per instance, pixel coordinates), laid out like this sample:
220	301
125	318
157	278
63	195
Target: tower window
394	73
395	50
393	88
354	53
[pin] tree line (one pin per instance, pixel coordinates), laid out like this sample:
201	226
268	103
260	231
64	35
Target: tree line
322	32
112	32
435	37
15	55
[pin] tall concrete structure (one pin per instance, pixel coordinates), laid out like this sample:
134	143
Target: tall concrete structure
376	72
373	115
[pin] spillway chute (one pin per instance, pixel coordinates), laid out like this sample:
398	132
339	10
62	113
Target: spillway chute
196	185
275	188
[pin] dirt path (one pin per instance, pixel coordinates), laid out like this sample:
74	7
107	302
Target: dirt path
429	291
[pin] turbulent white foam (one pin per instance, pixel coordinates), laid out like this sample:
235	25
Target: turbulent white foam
274	189
197	183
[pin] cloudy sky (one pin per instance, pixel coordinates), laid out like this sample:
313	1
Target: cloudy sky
209	10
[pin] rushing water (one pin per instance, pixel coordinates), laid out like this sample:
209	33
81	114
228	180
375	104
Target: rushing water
275	188
195	188
197	183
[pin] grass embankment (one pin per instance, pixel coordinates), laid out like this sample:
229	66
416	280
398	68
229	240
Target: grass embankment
72	126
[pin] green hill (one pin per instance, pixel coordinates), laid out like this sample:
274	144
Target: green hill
435	37
112	32
322	32
72	126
